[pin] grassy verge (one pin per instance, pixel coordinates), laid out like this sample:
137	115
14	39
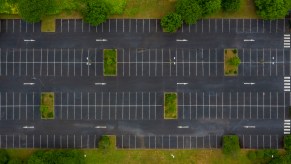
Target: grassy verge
247	10
109	62
170	105
47	105
48	24
213	156
147	8
230	69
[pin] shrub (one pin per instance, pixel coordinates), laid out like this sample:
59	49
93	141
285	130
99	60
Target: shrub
104	143
230	145
234	61
171	22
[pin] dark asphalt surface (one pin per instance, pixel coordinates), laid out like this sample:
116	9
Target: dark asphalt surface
131	104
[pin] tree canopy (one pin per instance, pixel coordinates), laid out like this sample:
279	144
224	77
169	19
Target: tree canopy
272	9
230	5
34	10
96	12
190	10
171	22
210	6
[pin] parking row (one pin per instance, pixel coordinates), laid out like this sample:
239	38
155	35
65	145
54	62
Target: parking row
148	105
142	62
83	141
152	25
194	142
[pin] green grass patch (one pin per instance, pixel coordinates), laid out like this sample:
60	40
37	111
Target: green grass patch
287	142
147	9
48	24
230	145
231	62
47	105
170	105
109	62
211	156
247	10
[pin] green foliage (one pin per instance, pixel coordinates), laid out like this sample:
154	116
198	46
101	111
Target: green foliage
230	5
234	61
190	10
263	156
234	51
104	143
96	12
210	6
110	62
116	6
171	22
251	155
4	158
15	161
57	156
287	142
272	9
230	145
35	10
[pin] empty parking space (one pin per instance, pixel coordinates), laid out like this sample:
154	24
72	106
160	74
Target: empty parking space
261	141
232	105
18	26
170	62
109	106
264	62
153	25
141	62
81	141
168	142
19	106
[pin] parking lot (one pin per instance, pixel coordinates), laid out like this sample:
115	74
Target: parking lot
142	62
152	25
211	141
136	142
148	105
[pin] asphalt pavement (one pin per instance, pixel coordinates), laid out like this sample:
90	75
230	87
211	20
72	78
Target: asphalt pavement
252	105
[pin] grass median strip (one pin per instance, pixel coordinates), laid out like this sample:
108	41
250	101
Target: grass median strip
109	62
170	105
231	62
47	105
48	24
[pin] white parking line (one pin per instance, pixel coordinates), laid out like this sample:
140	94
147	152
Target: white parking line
101	114
95	105
129	105
109	107
81	118
203	104
229	105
